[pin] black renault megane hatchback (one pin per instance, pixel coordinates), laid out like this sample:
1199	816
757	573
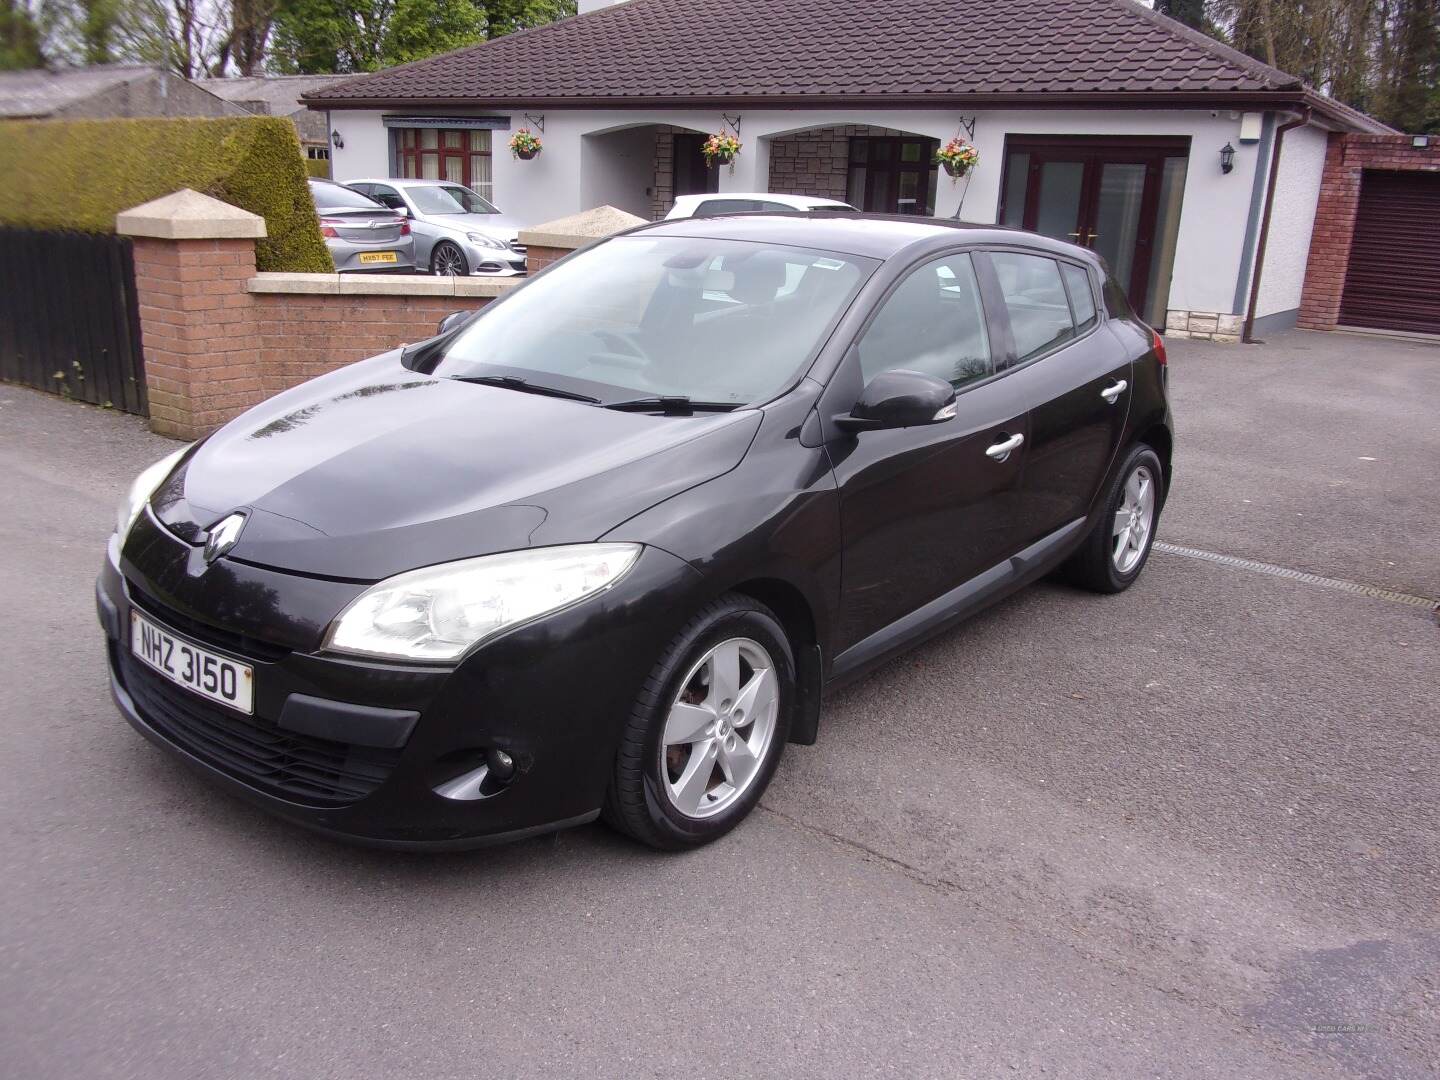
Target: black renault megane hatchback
603	547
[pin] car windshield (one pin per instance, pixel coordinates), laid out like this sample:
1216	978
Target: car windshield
333	195
718	321
448	199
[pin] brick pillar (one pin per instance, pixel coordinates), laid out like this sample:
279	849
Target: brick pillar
193	257
1330	240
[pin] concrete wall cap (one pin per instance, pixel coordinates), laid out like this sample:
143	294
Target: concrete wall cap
577	230
188	215
377	285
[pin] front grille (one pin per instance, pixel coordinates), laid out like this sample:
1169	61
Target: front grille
224	640
301	768
517	247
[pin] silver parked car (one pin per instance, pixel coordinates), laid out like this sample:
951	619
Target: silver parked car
363	236
456	230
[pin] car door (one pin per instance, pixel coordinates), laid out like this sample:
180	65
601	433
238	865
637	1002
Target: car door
1072	376
925	509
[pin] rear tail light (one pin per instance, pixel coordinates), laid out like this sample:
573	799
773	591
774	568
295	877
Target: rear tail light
1158	344
404	226
327	226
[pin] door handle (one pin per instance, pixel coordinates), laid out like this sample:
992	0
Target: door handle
1112	393
1001	450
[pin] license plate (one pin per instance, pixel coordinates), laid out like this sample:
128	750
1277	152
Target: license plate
187	664
379	257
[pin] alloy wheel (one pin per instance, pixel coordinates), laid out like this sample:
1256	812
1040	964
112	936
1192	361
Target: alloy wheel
720	727
448	261
1134	520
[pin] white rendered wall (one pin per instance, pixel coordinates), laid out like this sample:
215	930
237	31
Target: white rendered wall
1287	249
366	151
572	173
617	170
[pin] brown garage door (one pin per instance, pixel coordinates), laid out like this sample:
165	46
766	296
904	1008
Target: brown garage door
1393	281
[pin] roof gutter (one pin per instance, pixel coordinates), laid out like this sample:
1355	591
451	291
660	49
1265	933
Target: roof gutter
1248	335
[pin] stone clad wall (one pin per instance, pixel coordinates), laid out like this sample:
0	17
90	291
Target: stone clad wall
816	161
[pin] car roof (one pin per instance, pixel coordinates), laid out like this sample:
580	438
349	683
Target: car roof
874	236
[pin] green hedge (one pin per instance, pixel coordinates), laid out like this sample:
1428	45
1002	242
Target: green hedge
78	174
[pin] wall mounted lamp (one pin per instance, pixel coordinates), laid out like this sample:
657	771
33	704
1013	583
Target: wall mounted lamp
1227	158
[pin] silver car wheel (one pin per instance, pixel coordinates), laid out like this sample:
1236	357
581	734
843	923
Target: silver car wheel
1134	521
719	728
448	261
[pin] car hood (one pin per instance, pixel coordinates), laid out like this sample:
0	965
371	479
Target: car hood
496	225
374	469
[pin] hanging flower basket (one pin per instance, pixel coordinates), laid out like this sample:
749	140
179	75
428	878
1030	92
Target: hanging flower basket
957	157
720	148
525	145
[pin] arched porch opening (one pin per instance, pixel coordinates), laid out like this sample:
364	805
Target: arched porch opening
642	167
879	169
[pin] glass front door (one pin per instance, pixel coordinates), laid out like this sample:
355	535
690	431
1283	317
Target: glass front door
892	175
1119	197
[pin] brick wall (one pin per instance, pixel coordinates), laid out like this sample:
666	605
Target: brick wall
219	338
537	256
305	335
1346	159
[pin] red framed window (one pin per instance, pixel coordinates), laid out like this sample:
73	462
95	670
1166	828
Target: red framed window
462	157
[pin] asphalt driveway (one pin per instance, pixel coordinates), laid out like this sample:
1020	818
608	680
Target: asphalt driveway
1188	831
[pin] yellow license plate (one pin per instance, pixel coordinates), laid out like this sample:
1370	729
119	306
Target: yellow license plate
379	257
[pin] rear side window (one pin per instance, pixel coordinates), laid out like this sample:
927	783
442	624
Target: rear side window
932	323
1034	296
1082	297
1116	303
341	197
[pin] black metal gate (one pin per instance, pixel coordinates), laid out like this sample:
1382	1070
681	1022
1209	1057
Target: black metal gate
69	321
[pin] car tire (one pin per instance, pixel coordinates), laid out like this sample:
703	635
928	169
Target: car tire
652	795
447	260
1104	563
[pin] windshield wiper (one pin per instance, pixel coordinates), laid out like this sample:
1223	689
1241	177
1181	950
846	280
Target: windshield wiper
671	405
511	382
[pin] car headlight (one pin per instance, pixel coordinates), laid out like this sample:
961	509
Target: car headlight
485	241
440	612
141	490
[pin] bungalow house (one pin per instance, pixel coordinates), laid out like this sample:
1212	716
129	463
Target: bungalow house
1185	163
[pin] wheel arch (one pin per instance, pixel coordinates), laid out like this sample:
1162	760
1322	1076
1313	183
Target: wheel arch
797	617
1158	437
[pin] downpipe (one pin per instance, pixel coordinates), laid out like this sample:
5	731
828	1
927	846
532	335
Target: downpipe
1248	334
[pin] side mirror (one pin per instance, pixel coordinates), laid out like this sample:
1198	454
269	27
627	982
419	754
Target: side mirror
401	209
899	398
454	321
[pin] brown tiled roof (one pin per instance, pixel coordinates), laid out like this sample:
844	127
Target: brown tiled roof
729	52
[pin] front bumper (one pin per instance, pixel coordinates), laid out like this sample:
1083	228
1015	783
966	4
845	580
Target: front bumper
551	694
493	262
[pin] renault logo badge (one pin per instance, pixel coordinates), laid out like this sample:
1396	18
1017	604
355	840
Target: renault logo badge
223	536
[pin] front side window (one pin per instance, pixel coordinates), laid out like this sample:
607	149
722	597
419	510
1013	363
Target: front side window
1034	296
933	323
448	199
723	321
